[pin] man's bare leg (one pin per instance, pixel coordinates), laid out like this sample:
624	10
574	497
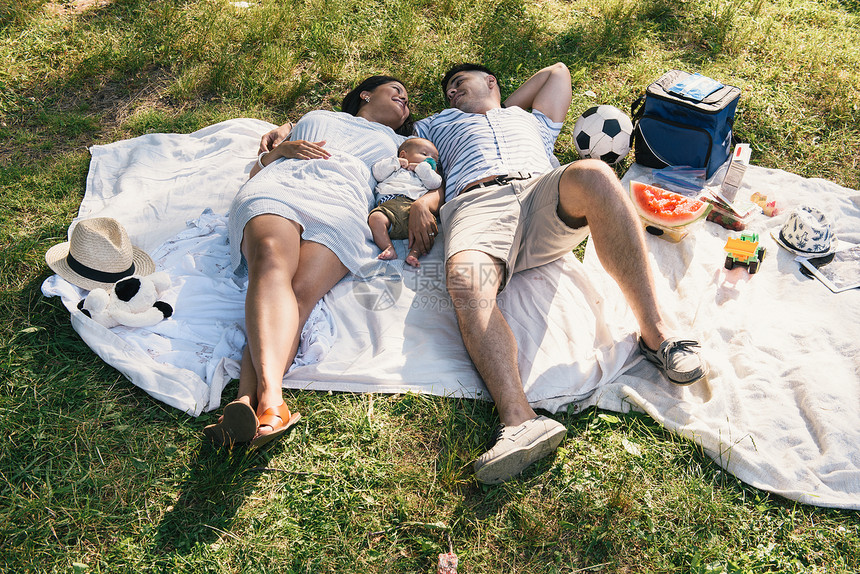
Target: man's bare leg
590	193
473	281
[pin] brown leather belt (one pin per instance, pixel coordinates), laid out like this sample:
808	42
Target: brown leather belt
499	180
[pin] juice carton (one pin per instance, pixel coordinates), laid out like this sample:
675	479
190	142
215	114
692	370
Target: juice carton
737	167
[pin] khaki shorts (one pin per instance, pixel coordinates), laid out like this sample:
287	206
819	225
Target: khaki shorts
396	210
517	223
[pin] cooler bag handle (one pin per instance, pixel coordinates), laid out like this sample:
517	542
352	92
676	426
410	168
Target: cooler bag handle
637	108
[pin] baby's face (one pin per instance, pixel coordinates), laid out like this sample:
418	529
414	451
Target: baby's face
418	151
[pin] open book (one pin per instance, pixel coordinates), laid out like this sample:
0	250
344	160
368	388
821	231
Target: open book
839	271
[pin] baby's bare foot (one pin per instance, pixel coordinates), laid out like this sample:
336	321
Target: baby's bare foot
388	253
412	259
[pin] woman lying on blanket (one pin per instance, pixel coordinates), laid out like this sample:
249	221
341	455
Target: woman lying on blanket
297	227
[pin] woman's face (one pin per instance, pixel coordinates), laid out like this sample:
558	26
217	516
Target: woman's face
386	104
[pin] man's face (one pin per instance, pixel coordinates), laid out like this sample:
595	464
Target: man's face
472	91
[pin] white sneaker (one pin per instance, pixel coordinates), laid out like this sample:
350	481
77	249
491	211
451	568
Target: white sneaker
517	447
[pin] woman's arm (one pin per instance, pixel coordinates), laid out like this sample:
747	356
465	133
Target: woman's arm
268	142
298	149
273	137
548	91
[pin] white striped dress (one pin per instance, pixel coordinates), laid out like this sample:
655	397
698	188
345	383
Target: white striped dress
329	198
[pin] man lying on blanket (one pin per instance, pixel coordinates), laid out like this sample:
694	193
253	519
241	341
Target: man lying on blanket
508	208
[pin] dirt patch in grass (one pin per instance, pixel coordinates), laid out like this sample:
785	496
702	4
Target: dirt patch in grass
71	7
69	121
114	102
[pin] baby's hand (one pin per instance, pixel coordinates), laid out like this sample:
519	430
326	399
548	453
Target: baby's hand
411	166
404	163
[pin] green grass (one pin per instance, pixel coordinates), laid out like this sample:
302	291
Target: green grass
95	476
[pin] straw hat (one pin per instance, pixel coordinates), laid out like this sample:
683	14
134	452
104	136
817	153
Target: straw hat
98	254
806	232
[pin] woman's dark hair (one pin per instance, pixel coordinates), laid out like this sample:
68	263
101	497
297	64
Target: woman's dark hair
352	101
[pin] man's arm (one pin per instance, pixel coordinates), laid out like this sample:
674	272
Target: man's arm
547	91
422	220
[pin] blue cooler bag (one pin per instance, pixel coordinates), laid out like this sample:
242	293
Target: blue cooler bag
684	119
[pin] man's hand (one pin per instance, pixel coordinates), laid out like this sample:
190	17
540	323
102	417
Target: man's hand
422	222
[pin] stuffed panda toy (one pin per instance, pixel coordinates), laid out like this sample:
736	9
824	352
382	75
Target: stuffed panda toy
132	302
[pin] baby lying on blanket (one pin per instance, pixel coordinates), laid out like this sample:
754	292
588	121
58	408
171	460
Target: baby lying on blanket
402	180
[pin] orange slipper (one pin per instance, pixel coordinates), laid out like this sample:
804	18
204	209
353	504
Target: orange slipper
280	419
238	425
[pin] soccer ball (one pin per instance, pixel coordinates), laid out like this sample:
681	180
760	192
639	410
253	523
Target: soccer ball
603	132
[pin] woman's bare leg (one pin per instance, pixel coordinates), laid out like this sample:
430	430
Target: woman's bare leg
286	278
247	381
271	247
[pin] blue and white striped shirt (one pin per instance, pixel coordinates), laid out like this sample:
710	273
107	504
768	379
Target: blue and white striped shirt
502	141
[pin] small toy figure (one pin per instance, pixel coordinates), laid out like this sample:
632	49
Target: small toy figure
744	250
769	208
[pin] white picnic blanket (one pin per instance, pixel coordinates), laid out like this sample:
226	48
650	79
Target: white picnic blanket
780	408
391	333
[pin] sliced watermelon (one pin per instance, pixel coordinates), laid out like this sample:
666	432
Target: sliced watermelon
665	207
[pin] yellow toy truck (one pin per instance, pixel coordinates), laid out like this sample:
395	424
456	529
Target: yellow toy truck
744	250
